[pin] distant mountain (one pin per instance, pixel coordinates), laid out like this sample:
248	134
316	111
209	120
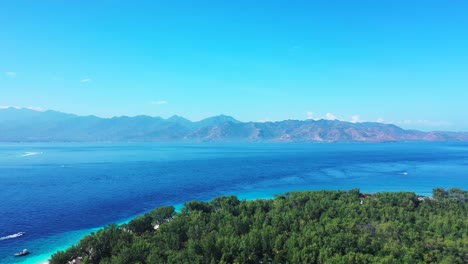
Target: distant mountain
24	125
179	120
216	121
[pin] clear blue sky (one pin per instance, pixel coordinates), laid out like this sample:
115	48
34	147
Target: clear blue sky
402	62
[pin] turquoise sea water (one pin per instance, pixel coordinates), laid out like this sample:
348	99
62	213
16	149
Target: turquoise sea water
59	192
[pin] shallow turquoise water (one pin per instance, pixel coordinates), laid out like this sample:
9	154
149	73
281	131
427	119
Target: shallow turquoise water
57	193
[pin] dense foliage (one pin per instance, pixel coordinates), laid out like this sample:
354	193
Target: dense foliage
299	227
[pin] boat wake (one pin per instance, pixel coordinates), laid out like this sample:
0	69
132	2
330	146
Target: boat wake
12	236
30	154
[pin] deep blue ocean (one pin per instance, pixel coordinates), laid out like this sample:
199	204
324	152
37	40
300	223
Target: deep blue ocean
59	192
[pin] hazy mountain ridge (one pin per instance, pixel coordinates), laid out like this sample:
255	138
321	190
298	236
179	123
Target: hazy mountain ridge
24	125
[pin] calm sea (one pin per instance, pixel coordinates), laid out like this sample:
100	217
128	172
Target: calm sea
58	192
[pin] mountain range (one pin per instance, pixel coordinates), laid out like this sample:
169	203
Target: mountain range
25	125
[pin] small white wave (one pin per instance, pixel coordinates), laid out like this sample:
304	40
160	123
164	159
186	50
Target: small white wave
12	236
30	154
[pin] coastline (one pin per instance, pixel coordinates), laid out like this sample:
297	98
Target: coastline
66	240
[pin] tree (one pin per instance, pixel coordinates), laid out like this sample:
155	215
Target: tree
162	214
303	227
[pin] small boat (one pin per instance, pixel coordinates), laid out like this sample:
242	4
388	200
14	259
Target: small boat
24	252
19	234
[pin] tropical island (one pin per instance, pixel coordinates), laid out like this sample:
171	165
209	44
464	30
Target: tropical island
297	227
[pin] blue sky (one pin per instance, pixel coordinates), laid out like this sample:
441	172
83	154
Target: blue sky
402	62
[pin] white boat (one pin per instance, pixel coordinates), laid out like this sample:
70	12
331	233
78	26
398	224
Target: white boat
23	252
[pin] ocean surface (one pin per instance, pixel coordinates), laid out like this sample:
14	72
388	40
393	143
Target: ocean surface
59	192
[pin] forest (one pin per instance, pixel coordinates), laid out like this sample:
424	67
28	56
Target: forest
296	227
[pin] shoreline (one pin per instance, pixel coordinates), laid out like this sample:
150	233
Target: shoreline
248	196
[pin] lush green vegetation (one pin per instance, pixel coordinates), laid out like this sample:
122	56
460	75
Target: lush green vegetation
302	227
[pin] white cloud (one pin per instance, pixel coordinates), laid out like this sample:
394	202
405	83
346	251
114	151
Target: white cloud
10	74
311	115
408	122
431	123
379	120
422	123
35	108
356	119
86	80
10	106
330	116
160	102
